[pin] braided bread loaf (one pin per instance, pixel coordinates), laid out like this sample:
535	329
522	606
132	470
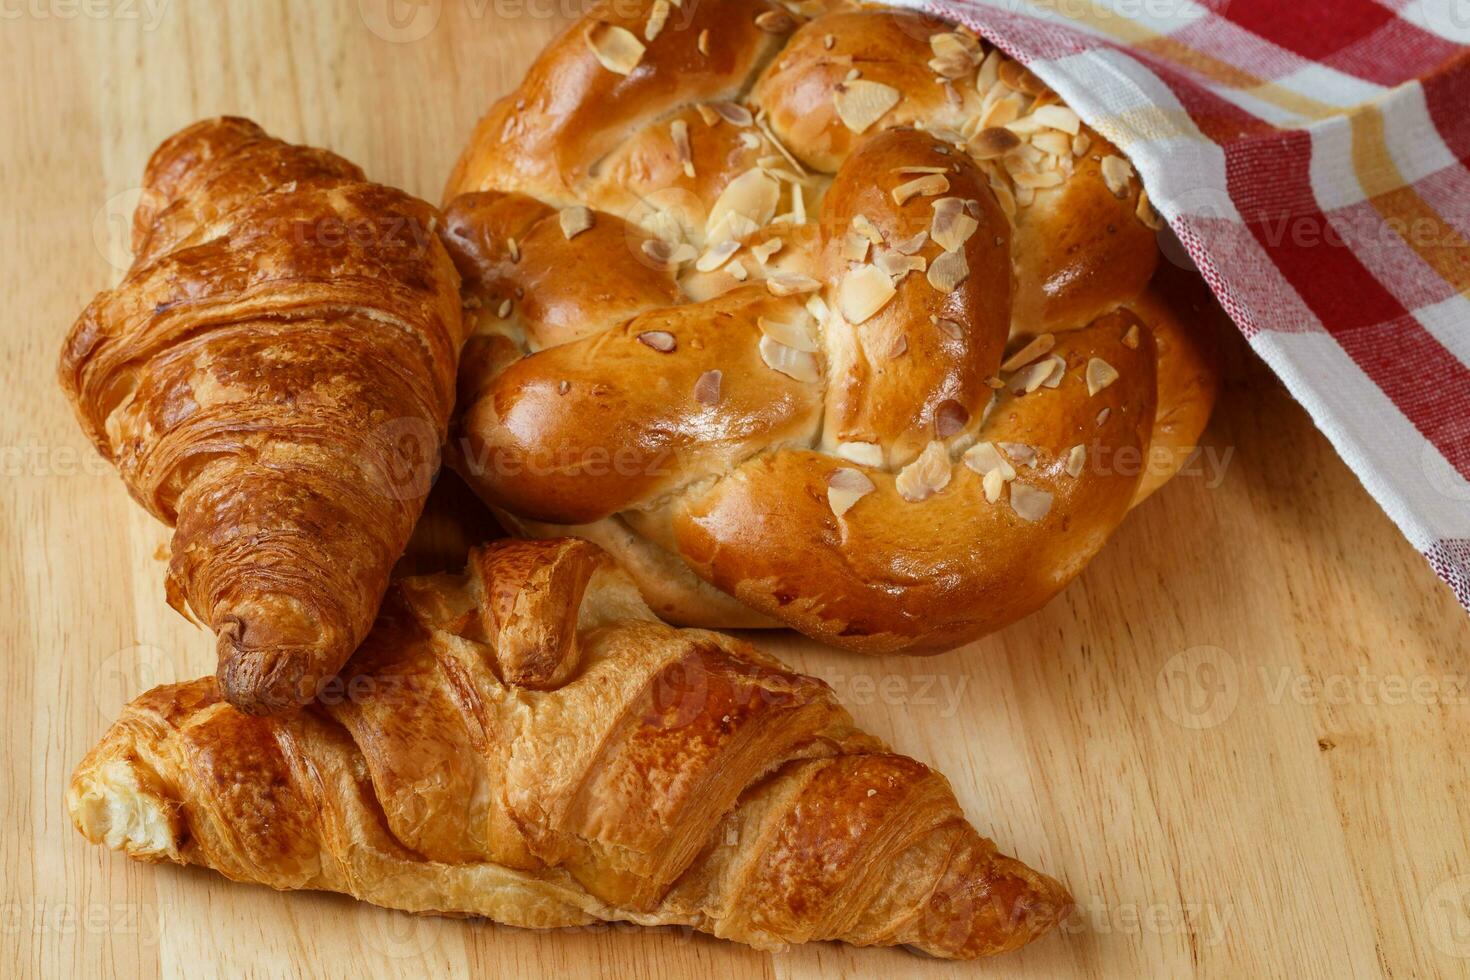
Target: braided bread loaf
273	378
527	742
833	319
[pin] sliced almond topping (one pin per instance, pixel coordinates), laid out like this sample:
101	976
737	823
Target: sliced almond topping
864	227
984	458
911	246
793	333
927	185
679	132
1058	117
1002	112
702	42
615	48
707	388
950	418
953	44
1029	503
791	285
919	170
753	195
1039	345
1081	143
952	227
845	487
896	265
817	307
1034	376
1147	213
899	347
1058	371
503	310
1057	144
1014	75
1103	415
1130	337
736	269
864	291
656	18
733	113
1116	171
993	143
1076	459
766	249
1099	375
950	327
1019	452
514	249
800	365
864	453
707	113
574	220
993	482
861	103
948	271
828	41
717	255
775	22
1037	181
660	340
926	475
854	247
989	72
668	254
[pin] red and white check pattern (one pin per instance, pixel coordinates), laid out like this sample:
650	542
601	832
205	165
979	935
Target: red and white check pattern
1313	157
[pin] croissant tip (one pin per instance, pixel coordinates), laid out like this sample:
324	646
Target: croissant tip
264	682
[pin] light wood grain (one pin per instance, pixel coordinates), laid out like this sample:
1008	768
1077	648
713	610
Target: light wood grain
1184	735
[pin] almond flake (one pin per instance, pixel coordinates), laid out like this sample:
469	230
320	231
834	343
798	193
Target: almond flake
707	388
702	42
791	285
845	487
899	347
1034	376
817	308
1081	143
733	113
1004	111
1029	503
615	48
1076	459
948	271
926	475
993	143
513	249
1058	371
1041	344
949	327
799	365
574	220
1057	144
1103	415
984	458
707	113
1034	181
775	22
1099	375
753	196
910	246
950	418
919	170
952	227
717	255
864	227
1115	172
736	269
766	249
660	340
864	291
669	255
1019	452
1020	78
1058	117
1147	214
993	482
828	41
1130	337
679	132
793	334
656	18
854	247
927	185
863	453
989	72
861	103
503	310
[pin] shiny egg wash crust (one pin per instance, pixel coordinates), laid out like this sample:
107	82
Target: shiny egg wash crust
815	315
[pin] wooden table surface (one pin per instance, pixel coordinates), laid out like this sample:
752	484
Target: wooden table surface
1239	737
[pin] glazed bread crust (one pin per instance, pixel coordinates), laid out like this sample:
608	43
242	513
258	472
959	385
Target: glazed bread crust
839	314
273	378
529	743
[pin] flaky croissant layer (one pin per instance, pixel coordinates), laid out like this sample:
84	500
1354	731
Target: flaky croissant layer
527	743
273	378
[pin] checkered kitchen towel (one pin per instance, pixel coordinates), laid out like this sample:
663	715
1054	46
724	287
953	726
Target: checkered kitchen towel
1313	157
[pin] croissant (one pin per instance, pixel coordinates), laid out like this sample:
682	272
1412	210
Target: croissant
827	316
273	378
528	742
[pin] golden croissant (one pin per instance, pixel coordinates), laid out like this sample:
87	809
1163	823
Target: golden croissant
273	378
825	315
527	742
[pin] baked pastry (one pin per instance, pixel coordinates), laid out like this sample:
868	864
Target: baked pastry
529	743
843	322
273	378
